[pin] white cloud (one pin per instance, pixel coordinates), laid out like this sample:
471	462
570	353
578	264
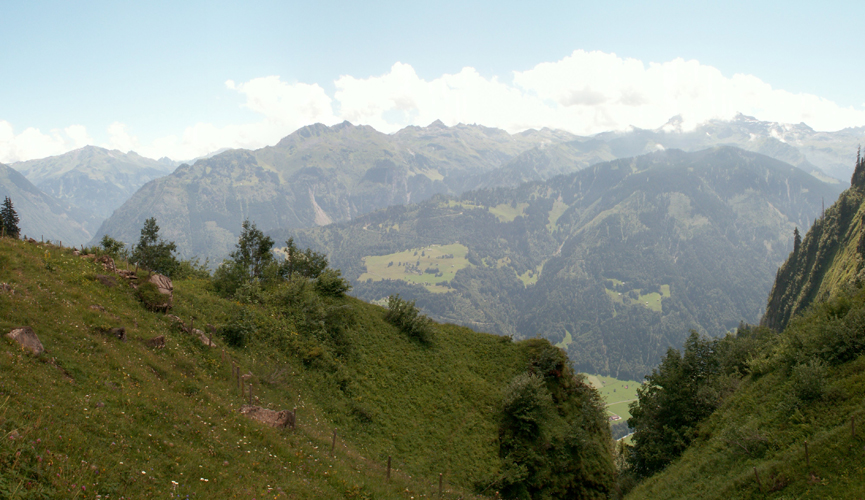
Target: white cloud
584	93
32	143
284	108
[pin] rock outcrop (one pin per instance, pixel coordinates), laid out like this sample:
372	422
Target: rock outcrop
26	337
163	284
278	419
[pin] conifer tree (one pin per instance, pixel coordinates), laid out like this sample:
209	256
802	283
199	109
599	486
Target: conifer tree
9	219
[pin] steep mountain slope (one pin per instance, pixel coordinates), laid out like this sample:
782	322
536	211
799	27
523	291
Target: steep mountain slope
828	260
312	177
788	408
95	180
615	262
40	214
153	411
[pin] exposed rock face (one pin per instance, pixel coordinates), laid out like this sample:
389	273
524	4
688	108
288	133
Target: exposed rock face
163	283
28	339
278	419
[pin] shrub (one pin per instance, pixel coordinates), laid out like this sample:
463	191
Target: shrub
809	380
331	284
237	332
404	315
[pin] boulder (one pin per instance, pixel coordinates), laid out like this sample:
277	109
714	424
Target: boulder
156	342
203	337
120	333
27	338
163	284
107	263
97	307
278	419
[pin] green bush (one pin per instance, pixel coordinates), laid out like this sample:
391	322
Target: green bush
330	283
404	315
809	380
240	330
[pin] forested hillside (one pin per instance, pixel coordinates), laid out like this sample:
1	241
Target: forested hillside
614	263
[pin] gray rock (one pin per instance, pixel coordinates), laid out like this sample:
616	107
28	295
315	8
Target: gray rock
278	419
27	338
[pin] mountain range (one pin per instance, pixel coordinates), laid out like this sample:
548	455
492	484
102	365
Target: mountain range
94	180
614	263
41	215
319	174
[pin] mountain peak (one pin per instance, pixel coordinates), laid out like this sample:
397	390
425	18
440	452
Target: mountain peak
437	125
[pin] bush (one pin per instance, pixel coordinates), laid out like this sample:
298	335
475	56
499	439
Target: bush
239	330
404	315
331	284
809	380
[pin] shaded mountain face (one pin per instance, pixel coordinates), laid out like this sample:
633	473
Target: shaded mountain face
41	215
93	179
315	176
829	260
615	263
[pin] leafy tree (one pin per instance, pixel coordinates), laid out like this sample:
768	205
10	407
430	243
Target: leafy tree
154	253
9	219
306	263
553	437
112	247
678	394
253	251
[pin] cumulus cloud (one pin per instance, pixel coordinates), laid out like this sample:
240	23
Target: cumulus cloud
32	143
584	93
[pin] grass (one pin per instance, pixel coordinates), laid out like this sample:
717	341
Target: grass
94	415
409	265
651	300
617	394
531	276
556	212
507	213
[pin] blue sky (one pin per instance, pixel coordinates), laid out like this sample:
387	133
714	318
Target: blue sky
152	75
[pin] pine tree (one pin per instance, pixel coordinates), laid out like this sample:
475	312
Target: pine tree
154	253
797	240
9	219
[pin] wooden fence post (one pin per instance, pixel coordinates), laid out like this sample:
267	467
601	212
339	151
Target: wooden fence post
333	444
388	468
440	484
294	418
757	477
250	393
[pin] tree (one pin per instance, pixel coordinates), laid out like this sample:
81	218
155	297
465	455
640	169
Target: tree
253	250
797	240
678	395
154	253
307	263
404	315
112	247
9	219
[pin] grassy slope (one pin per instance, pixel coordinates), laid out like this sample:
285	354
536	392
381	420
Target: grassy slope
122	419
718	467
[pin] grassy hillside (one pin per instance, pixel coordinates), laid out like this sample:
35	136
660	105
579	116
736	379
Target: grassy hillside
97	415
803	390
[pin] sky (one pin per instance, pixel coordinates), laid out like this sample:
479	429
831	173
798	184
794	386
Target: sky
183	79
